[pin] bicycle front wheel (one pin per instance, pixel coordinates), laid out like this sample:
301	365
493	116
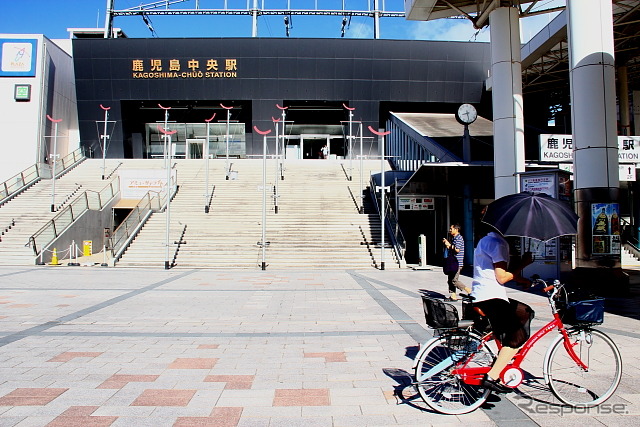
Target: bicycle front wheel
575	386
442	391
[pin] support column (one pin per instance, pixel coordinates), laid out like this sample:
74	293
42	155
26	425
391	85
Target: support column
108	20
376	19
623	101
593	119
254	19
636	112
508	118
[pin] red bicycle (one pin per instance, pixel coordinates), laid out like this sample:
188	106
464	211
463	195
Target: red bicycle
582	366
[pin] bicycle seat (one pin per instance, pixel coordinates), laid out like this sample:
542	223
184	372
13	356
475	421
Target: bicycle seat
466	297
464	323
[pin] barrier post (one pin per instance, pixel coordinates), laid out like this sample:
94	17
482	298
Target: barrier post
54	257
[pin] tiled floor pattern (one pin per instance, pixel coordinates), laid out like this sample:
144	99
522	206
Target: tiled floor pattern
233	349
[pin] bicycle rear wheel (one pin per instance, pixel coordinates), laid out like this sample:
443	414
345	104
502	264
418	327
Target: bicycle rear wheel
577	387
444	392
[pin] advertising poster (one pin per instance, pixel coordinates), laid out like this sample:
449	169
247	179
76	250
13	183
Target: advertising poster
605	227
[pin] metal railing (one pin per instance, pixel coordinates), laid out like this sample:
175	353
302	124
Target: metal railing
88	200
629	237
70	160
18	182
152	201
397	238
25	179
399	242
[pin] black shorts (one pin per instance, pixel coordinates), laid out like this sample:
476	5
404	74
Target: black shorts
509	320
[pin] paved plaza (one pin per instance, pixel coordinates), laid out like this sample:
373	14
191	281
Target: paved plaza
97	346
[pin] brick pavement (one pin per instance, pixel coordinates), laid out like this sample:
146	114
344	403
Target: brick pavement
127	347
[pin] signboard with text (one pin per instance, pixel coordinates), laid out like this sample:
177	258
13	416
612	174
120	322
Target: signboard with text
135	183
539	184
626	171
416	203
559	148
194	68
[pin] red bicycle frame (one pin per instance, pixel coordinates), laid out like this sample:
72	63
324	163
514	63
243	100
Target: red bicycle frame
474	375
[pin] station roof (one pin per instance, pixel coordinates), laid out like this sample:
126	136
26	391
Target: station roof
476	10
545	59
435	125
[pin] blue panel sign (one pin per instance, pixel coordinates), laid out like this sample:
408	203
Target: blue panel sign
18	57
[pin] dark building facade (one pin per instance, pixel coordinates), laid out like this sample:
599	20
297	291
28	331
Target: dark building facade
313	78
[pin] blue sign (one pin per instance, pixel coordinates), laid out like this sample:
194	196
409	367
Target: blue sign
18	57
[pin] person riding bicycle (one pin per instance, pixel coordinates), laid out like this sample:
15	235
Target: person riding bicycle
490	263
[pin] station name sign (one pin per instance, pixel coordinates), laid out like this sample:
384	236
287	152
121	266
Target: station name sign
559	148
184	69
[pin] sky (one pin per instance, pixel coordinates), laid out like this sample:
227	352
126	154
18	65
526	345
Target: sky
53	17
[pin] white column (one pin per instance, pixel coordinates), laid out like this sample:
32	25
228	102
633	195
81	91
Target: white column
594	123
508	120
593	93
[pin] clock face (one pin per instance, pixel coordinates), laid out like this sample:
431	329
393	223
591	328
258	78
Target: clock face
467	113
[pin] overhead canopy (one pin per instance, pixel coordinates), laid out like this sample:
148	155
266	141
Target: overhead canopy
435	125
475	10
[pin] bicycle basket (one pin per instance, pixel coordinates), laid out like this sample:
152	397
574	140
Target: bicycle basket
459	342
438	314
588	311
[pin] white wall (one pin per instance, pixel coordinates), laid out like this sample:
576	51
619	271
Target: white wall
23	125
19	128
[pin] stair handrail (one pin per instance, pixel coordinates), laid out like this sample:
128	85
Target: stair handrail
19	182
400	244
398	241
34	173
70	160
152	201
628	236
88	200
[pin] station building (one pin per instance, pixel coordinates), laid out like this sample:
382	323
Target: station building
324	90
316	80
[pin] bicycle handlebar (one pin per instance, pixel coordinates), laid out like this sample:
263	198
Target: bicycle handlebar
550	290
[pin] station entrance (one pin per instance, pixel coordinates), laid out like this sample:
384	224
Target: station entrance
314	146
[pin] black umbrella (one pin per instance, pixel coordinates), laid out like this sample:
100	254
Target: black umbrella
533	215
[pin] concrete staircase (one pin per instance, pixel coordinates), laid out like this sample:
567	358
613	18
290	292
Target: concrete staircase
30	210
317	224
628	259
